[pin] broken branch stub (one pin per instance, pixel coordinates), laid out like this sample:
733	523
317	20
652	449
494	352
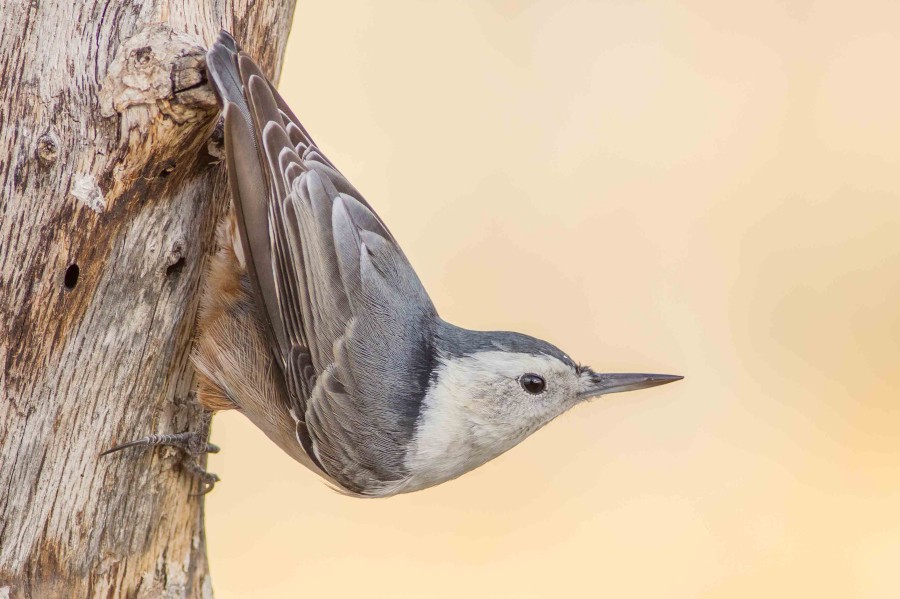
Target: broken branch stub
156	85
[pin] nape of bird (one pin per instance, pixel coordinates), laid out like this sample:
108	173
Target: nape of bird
315	326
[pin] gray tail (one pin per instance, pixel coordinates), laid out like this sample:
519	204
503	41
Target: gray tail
229	70
222	68
224	74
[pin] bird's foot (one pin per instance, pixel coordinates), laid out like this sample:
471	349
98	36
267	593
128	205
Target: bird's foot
193	445
207	480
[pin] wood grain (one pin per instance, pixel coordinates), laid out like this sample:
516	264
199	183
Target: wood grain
108	202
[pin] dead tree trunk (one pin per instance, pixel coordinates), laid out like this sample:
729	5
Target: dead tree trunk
108	203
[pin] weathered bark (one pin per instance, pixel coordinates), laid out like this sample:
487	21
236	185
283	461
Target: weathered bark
108	202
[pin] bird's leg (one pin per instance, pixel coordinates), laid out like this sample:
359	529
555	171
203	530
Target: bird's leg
193	445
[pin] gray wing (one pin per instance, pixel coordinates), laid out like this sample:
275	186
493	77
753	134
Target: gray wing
349	318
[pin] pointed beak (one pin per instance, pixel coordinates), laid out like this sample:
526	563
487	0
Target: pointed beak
601	384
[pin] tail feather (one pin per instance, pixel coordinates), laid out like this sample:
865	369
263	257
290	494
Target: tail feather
249	186
221	65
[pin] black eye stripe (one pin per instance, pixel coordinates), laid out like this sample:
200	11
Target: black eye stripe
533	383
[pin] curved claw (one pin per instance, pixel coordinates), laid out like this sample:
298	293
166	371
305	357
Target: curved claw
208	480
148	441
207	485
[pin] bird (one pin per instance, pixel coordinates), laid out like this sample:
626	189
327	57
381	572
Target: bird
315	326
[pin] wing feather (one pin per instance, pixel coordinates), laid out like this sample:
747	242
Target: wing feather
350	318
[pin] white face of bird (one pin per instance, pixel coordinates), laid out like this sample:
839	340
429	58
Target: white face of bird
507	395
483	404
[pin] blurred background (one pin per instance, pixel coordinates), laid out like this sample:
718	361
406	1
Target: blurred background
704	188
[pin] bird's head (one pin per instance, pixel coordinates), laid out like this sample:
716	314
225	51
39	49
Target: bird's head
524	381
490	390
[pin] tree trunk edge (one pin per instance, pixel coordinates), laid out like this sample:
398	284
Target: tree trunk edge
109	200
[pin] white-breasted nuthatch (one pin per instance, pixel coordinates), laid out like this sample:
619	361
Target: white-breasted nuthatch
314	325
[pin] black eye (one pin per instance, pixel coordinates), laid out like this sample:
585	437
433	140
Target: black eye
533	383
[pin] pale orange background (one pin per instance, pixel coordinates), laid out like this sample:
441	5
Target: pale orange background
705	188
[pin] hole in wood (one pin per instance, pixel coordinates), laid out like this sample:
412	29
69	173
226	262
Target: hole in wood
174	269
142	55
71	277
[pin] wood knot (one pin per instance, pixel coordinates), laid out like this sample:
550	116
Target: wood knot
156	86
47	148
155	68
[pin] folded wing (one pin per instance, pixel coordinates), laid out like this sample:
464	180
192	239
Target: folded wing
348	318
